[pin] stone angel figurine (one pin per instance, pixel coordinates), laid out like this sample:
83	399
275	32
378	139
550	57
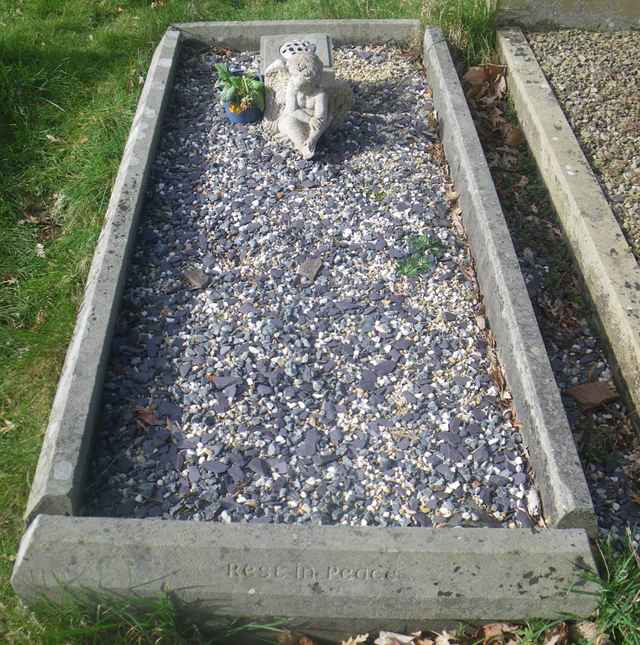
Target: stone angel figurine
303	100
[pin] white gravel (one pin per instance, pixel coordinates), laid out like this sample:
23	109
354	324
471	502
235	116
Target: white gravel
596	77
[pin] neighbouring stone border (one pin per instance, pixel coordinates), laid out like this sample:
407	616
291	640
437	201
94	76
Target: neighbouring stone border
611	273
581	14
332	580
559	475
60	474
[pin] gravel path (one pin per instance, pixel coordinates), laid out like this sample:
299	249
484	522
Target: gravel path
272	361
596	77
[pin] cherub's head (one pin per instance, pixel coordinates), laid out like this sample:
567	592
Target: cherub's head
305	68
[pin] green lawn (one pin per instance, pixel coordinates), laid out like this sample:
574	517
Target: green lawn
70	76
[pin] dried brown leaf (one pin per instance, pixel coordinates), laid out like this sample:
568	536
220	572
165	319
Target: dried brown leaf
445	638
481	321
457	222
146	417
513	135
592	395
306	640
477	75
286	637
392	638
559	635
356	640
500	86
498	633
197	279
587	631
6	426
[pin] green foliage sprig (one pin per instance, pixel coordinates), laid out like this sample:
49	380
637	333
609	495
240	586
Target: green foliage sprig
240	90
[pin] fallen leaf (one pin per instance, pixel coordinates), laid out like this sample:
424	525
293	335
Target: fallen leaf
452	196
592	395
53	139
305	640
146	417
476	75
457	222
391	638
40	250
559	635
196	278
533	503
513	135
356	640
481	321
496	633
7	426
587	631
445	638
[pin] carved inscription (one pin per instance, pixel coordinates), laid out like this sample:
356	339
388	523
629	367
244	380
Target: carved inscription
300	571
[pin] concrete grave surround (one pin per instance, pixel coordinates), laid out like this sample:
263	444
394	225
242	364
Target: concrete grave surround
611	273
577	14
333	579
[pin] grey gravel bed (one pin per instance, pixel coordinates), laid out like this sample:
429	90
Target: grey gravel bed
596	77
271	363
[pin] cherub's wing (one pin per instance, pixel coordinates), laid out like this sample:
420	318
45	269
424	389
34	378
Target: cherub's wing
276	79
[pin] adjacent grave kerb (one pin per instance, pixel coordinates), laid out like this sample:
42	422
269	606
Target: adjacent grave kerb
606	262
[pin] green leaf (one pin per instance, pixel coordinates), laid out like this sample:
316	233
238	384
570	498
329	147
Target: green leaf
259	100
228	93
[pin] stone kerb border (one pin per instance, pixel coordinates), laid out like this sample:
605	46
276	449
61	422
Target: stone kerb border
60	474
246	35
559	475
332	580
600	15
611	273
138	556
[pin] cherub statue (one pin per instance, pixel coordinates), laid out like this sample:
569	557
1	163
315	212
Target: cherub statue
303	101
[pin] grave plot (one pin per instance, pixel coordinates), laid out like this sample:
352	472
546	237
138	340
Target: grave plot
298	341
285	397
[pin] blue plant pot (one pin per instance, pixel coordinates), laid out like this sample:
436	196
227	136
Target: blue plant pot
252	115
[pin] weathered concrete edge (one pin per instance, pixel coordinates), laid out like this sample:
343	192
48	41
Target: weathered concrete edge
59	475
611	273
246	35
534	14
559	475
421	575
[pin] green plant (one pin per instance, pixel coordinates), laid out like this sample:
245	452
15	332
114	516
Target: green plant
423	252
115	619
240	91
468	25
618	613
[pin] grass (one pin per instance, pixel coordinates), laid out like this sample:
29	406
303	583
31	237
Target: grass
619	606
469	26
108	619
